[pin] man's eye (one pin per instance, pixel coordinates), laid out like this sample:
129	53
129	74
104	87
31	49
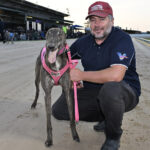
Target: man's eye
102	19
92	20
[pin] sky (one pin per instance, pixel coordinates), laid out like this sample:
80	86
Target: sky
130	14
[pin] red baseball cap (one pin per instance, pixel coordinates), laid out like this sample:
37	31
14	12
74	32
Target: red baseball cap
99	8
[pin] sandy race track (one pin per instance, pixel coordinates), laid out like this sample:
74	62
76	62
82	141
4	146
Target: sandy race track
24	129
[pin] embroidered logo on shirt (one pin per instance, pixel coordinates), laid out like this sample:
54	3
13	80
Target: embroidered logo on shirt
122	56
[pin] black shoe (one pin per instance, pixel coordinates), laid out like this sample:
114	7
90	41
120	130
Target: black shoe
111	144
100	127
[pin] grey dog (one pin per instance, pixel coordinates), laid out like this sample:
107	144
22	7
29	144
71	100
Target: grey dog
55	40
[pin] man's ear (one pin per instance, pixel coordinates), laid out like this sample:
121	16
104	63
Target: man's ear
113	21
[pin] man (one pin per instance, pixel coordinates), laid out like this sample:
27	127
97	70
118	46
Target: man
110	83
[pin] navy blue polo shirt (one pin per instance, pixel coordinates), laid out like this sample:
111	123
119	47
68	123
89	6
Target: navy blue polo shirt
116	49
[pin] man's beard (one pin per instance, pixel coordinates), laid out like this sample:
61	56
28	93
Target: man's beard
105	34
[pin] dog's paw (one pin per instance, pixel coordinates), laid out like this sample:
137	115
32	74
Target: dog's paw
33	106
76	138
48	143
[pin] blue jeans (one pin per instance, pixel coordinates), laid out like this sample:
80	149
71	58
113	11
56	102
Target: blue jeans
97	104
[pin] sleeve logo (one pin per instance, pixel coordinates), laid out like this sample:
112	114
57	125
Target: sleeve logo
122	56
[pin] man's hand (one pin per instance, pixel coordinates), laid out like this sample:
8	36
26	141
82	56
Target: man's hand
75	74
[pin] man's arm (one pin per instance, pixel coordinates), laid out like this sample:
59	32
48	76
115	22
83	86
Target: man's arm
114	73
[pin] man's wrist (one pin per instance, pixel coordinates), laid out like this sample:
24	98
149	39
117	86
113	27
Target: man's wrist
82	75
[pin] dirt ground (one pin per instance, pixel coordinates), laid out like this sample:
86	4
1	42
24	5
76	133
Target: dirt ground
24	129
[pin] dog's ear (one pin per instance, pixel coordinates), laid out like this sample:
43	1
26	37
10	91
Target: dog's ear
47	34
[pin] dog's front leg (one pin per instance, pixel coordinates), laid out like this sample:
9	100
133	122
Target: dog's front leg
49	140
67	90
47	85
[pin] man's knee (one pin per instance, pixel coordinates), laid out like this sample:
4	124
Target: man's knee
58	113
110	90
110	94
55	112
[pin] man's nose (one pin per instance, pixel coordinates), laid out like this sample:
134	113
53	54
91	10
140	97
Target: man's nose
98	22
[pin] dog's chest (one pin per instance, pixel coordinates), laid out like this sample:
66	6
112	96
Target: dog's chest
57	65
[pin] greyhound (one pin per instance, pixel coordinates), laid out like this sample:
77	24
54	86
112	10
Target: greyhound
55	40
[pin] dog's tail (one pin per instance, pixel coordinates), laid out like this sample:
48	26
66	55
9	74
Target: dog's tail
37	80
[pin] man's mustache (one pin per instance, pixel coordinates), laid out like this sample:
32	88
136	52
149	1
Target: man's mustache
97	29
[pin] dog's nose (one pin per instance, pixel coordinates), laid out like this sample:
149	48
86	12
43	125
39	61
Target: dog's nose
51	46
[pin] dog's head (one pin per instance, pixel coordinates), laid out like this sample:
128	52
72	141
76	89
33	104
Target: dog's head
55	41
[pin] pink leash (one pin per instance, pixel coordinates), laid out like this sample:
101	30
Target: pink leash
73	63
